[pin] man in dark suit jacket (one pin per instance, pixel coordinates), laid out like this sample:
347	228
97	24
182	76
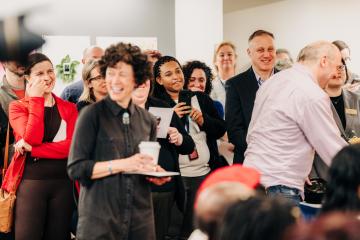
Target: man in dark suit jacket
241	89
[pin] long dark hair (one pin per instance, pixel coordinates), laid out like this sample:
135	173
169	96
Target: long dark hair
344	181
159	89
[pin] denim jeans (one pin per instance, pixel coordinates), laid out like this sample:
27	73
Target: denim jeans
293	194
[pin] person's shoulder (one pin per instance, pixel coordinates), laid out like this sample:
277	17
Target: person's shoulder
74	85
92	111
64	102
241	78
144	114
156	102
20	103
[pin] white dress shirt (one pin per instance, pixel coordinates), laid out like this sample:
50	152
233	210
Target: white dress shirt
291	118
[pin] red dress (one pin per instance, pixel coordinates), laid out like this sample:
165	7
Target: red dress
26	117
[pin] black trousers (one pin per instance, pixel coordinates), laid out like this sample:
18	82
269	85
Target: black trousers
43	209
191	184
162	203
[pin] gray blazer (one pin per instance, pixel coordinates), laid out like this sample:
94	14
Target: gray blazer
352	111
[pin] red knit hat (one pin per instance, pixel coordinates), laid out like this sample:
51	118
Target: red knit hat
235	173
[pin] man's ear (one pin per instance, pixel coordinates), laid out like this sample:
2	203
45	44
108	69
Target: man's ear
323	61
248	52
27	78
159	80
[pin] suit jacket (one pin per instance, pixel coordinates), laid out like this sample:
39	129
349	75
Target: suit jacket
240	97
26	117
352	111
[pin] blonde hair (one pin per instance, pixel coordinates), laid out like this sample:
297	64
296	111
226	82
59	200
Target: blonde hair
88	95
217	49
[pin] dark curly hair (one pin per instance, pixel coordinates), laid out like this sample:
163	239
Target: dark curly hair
344	181
159	89
129	54
188	69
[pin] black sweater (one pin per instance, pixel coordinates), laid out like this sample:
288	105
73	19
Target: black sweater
214	126
169	154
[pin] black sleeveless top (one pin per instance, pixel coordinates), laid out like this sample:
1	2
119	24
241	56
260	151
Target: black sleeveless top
47	168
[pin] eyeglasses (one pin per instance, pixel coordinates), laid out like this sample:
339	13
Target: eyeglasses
340	67
99	77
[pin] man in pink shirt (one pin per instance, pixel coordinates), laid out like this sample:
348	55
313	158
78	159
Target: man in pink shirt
292	119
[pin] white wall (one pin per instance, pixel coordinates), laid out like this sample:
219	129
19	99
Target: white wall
198	28
296	23
115	18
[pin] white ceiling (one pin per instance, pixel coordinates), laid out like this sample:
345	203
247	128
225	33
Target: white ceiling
236	5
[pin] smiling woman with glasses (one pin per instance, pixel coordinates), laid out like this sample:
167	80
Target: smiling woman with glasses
94	85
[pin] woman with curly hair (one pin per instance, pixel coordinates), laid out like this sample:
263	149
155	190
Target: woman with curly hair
114	205
343	187
94	84
198	77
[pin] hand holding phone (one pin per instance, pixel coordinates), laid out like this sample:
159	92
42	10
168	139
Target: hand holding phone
185	96
181	109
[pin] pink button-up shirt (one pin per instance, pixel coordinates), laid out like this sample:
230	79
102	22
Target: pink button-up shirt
291	118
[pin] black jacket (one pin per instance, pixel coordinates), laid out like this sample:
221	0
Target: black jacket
214	126
240	97
169	154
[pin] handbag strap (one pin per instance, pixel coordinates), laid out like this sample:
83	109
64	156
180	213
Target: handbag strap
6	153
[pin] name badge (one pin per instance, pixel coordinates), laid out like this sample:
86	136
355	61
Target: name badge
351	111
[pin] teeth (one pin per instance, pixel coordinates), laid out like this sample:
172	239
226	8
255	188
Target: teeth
117	89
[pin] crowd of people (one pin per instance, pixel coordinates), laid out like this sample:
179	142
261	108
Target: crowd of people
244	144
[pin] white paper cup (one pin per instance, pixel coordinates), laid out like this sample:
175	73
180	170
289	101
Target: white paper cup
150	148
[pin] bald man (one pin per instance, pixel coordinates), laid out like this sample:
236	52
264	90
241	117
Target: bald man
72	92
292	118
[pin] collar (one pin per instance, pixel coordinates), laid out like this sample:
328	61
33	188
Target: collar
305	70
5	84
258	78
116	109
223	82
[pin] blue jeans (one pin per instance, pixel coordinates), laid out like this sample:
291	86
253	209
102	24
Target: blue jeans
293	194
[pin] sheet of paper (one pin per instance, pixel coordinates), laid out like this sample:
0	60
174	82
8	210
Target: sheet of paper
165	115
61	134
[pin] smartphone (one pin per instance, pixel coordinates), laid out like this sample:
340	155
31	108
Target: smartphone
185	96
